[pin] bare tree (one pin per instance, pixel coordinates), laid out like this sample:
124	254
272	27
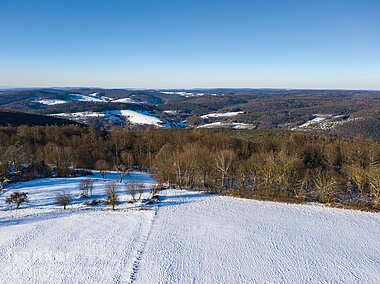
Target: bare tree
90	185
223	163
374	182
127	159
86	186
122	170
301	186
325	187
102	166
154	190
132	189
112	194
140	189
18	198
64	199
359	177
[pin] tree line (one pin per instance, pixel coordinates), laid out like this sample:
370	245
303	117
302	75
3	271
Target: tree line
273	165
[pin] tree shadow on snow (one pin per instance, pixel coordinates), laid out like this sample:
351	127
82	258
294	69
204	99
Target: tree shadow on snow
37	217
180	199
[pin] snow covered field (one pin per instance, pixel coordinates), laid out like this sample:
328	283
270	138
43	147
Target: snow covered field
127	101
232	125
225	114
94	98
138	117
188	237
134	117
90	98
184	94
50	102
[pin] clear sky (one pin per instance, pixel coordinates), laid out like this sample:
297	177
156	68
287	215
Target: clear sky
189	44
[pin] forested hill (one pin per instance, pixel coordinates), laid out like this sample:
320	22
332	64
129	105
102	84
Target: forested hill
344	112
282	165
19	118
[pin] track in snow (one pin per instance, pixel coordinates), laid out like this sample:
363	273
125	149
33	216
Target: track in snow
140	249
200	238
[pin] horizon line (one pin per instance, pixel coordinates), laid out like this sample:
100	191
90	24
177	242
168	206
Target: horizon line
182	88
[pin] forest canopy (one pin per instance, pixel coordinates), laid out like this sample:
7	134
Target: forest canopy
265	164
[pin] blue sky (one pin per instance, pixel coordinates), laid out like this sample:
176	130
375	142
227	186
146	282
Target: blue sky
189	44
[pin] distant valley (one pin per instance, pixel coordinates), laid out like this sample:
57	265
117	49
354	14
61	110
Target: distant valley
336	111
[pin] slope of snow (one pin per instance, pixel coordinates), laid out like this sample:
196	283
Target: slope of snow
41	243
184	94
124	101
198	238
188	237
225	114
41	192
82	114
232	125
137	117
89	98
324	122
50	102
75	97
317	119
171	111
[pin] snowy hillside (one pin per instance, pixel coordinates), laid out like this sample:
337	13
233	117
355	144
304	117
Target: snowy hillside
90	98
93	98
50	102
138	117
133	116
188	237
224	114
231	125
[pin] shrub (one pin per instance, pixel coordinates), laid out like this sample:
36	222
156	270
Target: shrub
64	199
112	194
132	189
18	198
86	186
93	202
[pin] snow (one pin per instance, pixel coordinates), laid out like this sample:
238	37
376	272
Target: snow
225	114
126	101
42	243
170	111
138	117
82	114
184	94
89	98
324	122
76	97
50	102
199	238
232	125
188	237
135	117
317	119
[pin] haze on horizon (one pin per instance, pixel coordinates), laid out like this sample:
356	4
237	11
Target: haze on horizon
330	44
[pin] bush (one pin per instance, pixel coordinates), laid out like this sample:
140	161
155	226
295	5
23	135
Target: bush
18	198
86	187
93	202
64	199
112	194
